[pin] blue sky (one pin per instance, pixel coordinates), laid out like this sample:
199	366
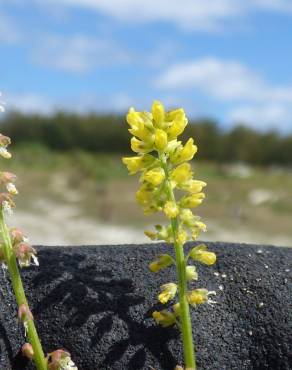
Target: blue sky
225	59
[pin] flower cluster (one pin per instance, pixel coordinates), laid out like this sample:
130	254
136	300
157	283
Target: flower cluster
162	160
23	251
14	247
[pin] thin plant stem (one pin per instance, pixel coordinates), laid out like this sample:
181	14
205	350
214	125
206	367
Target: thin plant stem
18	289
185	319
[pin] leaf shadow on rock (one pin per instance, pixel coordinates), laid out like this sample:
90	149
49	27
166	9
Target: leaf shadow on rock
84	293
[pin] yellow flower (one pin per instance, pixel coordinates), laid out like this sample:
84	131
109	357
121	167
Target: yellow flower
139	146
144	195
168	292
201	254
138	163
194	186
171	209
197	296
160	139
154	176
163	261
182	236
158	113
178	124
192	201
185	153
181	173
137	118
164	318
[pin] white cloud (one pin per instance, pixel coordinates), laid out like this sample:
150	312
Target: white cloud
29	102
225	80
263	117
192	14
78	53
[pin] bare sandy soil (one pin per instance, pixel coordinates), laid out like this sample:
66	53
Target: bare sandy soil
53	222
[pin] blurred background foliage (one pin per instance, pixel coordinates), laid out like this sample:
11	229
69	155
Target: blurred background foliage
75	190
107	134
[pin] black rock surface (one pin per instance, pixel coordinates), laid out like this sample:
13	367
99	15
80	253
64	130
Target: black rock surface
96	302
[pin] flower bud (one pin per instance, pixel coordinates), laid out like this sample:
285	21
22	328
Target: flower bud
6	203
197	296
27	351
158	113
179	122
60	360
164	318
138	163
24	313
194	186
160	139
192	201
24	252
191	273
201	254
17	235
163	261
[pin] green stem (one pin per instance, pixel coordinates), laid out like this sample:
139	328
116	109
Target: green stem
185	319
17	285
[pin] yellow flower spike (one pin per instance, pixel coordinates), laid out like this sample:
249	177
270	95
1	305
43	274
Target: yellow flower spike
138	163
164	318
192	201
171	209
197	296
160	139
162	180
163	261
181	173
158	113
201	254
168	292
154	176
191	273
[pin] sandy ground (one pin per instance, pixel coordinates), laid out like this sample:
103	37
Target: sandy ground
56	223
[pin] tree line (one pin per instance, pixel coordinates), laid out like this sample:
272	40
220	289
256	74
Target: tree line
108	134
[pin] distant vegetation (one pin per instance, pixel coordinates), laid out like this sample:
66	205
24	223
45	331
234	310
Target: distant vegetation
107	134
